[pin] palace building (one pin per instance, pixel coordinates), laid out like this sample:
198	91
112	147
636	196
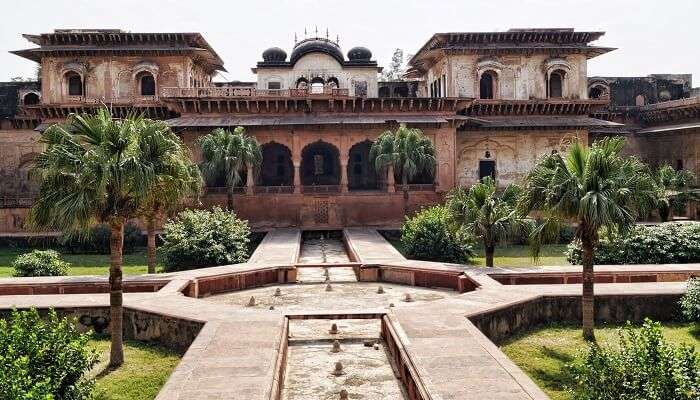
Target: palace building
491	102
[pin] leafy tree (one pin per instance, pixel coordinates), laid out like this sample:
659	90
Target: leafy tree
228	154
407	152
177	177
690	302
488	215
43	358
674	190
594	187
93	170
396	67
643	366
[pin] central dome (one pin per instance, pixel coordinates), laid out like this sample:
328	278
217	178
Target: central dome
316	45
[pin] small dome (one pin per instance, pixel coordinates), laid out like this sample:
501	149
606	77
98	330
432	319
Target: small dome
359	53
316	45
274	54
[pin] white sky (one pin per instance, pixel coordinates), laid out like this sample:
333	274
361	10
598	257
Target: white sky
652	36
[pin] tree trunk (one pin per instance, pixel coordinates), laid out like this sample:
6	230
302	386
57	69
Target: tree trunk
404	183
490	250
587	300
229	198
151	243
116	243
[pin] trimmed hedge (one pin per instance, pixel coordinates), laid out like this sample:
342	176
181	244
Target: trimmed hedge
201	238
690	302
659	244
429	236
43	358
97	240
40	263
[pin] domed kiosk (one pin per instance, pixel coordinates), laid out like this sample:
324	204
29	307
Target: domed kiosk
274	55
316	45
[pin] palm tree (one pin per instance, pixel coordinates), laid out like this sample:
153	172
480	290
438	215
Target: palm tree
674	189
176	177
228	154
92	170
597	189
486	214
406	151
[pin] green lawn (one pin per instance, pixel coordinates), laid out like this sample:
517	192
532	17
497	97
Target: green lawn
145	370
81	264
544	352
512	255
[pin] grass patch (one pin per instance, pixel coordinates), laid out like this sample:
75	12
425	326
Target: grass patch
145	370
511	255
82	264
543	352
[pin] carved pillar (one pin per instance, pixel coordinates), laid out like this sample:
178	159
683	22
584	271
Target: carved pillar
390	185
344	175
250	181
297	177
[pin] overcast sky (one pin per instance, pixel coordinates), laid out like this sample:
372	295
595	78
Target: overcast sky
651	36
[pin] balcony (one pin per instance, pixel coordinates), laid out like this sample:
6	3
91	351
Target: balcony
238	92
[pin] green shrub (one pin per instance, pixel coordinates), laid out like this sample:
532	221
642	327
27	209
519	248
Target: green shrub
43	359
429	236
690	302
659	244
644	366
40	263
97	240
201	238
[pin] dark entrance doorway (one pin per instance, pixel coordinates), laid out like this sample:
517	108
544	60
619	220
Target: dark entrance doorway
361	172
277	168
320	164
487	168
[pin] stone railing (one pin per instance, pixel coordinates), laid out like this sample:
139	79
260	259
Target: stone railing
237	92
273	189
223	189
17	201
418	187
320	189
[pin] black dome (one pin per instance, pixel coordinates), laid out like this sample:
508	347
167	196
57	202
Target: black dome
274	54
359	53
316	45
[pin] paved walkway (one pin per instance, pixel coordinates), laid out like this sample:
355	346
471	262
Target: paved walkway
278	247
236	352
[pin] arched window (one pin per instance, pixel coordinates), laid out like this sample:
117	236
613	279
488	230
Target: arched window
401	91
595	93
317	85
487	85
556	84
75	84
276	168
361	172
302	83
147	83
384	91
31	99
333	83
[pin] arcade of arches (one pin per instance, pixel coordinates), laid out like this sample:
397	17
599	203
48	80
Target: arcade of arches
321	164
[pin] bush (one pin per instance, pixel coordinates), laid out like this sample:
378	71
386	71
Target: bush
40	263
690	302
201	238
429	236
660	244
643	366
97	240
43	358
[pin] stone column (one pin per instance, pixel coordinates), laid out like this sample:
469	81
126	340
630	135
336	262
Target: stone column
344	175
297	177
390	185
250	181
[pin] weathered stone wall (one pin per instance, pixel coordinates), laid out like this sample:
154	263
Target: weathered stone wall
17	149
115	78
502	323
519	77
174	333
515	152
672	147
325	66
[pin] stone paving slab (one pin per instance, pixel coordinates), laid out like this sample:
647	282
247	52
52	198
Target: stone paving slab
370	247
278	247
